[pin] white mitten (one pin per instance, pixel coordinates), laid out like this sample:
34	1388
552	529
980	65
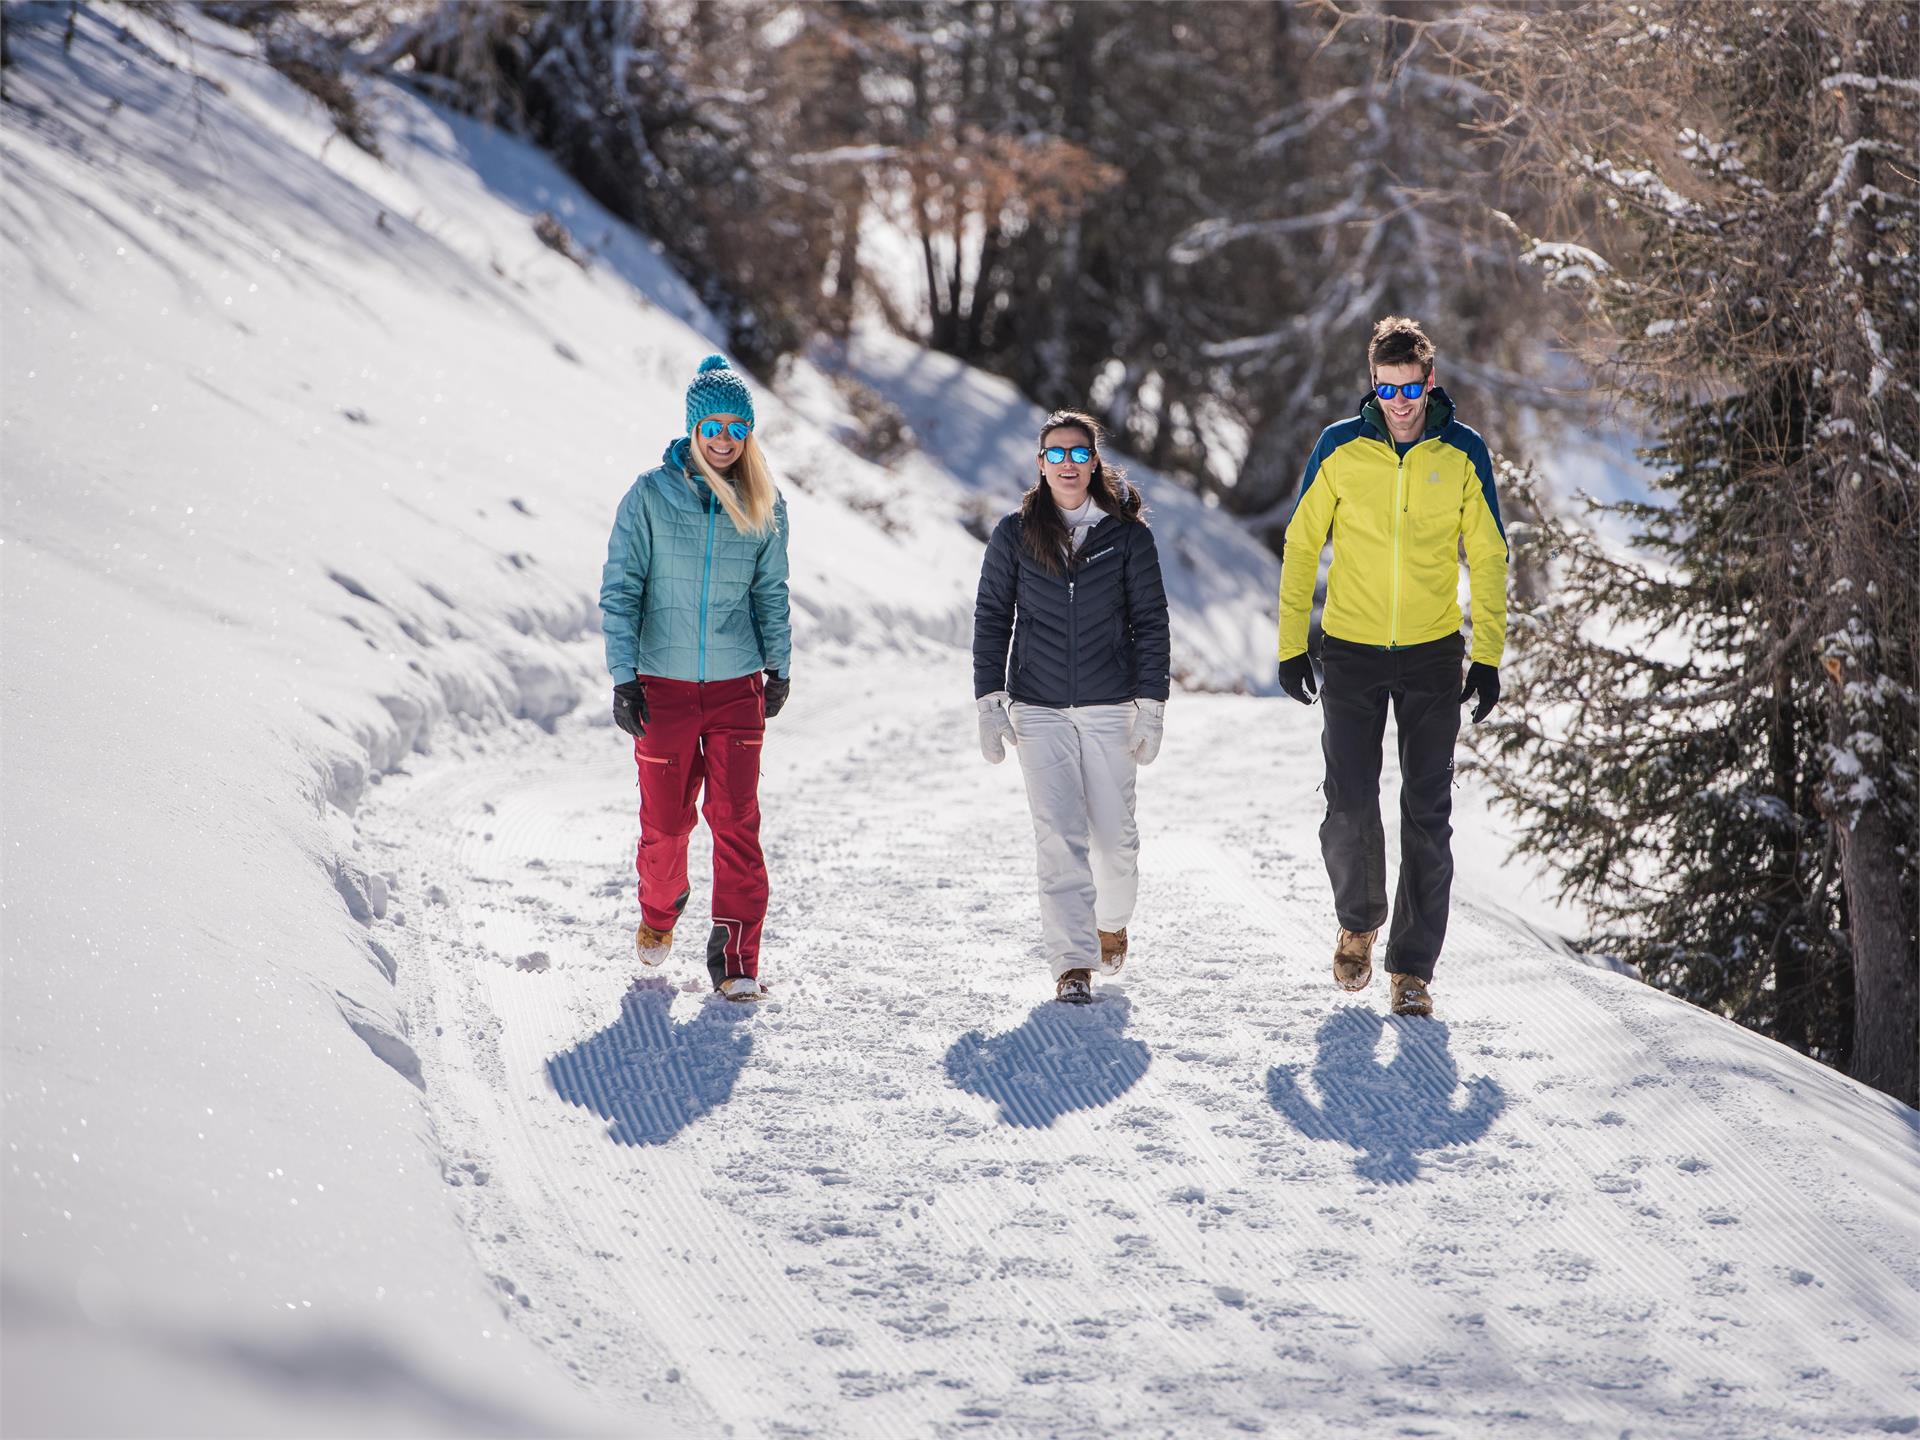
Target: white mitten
996	727
1149	720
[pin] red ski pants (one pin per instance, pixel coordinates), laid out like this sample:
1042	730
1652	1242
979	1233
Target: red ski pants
704	734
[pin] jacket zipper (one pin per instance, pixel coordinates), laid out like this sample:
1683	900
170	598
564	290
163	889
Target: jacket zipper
706	576
1073	649
1073	617
1399	510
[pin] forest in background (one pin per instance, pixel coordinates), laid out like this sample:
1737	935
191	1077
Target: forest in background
1691	221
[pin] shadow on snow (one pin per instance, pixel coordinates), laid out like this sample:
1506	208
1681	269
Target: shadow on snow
1061	1058
650	1077
1390	1112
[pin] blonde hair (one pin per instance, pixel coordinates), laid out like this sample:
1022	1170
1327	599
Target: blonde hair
749	495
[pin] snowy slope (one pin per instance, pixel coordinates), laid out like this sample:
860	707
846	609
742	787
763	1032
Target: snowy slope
307	462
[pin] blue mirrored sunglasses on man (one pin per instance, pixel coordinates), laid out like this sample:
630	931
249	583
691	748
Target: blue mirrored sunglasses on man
1412	392
1056	455
710	429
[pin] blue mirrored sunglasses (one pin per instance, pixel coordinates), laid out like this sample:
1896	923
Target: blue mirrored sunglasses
738	429
1412	392
1056	455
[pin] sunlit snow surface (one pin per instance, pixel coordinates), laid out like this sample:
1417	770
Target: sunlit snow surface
334	1109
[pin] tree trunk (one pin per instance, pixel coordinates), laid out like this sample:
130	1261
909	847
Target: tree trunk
1877	879
1792	977
1886	1020
1269	473
973	339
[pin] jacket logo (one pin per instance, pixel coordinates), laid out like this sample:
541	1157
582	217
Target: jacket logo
1091	558
1433	477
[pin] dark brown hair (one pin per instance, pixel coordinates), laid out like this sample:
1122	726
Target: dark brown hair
1399	341
1041	527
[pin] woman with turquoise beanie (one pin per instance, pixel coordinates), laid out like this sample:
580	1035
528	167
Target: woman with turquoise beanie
693	603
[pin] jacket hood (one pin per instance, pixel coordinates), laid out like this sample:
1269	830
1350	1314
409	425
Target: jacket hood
1439	414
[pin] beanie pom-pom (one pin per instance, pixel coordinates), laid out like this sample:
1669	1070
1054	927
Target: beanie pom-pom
713	362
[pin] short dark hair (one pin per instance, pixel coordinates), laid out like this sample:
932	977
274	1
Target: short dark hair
1399	341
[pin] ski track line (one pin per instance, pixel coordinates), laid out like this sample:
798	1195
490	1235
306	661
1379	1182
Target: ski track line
506	836
1571	1240
725	1366
1579	1025
521	1219
924	847
1103	1222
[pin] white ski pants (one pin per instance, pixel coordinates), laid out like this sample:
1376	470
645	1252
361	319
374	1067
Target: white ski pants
1079	776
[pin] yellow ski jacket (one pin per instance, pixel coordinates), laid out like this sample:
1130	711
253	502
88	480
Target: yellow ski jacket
1398	526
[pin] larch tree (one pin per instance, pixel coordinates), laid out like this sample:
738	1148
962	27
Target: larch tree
1713	736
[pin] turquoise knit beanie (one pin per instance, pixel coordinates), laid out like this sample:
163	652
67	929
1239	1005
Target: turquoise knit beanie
716	390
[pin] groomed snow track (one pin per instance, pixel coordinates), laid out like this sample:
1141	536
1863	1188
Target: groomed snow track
910	1196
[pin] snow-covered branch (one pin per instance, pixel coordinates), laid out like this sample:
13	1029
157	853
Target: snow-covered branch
1203	239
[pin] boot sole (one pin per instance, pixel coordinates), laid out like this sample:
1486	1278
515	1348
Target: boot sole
1420	1005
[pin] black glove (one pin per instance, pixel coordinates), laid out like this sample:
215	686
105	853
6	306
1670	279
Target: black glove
1482	680
630	707
1296	678
776	696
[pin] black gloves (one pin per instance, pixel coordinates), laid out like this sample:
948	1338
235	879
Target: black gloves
1483	680
630	707
776	693
1296	677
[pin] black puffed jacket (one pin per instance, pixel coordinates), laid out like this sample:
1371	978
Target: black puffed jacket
1095	634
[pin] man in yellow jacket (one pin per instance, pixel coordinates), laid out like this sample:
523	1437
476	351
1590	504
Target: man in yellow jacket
1402	487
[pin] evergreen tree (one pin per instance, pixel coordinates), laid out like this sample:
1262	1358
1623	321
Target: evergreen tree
1713	735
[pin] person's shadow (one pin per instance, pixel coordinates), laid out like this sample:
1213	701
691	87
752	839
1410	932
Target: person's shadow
1061	1058
1391	1112
650	1077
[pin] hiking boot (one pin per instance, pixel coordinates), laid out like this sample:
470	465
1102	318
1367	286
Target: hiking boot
741	987
1410	995
1113	950
652	944
1074	987
1353	958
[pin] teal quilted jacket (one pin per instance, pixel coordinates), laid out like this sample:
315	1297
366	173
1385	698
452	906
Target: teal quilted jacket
684	594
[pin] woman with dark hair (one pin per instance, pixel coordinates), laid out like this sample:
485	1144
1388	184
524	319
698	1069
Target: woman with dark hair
1070	666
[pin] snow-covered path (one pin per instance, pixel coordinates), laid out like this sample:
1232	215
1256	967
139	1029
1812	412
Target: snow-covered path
911	1196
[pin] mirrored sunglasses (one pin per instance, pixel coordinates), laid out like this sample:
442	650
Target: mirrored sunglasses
710	429
1412	392
1059	455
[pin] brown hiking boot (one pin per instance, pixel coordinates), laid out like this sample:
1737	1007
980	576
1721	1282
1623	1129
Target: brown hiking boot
652	944
1113	950
1074	987
1353	958
1410	995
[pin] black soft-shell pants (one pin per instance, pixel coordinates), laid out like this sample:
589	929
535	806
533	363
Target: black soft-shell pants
1423	684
